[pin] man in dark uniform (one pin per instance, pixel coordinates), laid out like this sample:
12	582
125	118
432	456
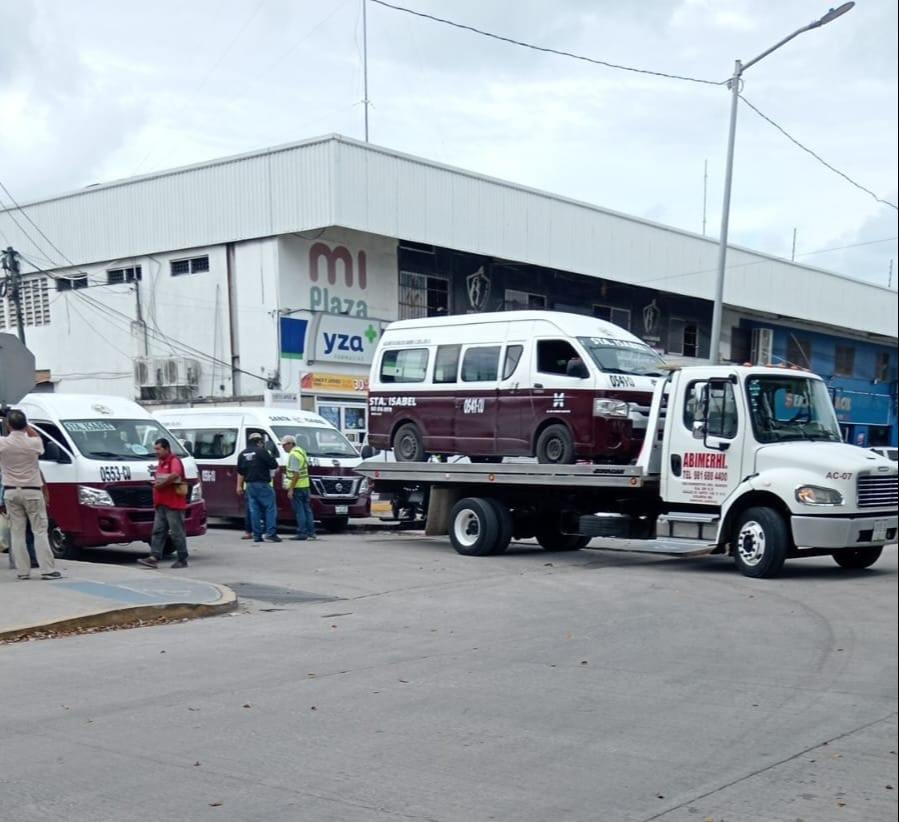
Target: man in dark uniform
255	465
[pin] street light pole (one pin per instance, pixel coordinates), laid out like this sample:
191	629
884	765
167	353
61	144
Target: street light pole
734	85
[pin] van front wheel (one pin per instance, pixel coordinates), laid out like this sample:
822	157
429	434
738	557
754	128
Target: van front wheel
408	445
555	446
61	543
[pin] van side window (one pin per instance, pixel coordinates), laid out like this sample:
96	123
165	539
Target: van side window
406	365
446	363
553	356
513	356
53	435
210	444
480	364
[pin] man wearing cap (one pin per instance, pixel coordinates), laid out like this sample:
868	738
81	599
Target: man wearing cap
296	481
254	468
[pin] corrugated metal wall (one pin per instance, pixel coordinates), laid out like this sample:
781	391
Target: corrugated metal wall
339	182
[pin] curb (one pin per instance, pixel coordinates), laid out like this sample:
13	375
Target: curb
128	615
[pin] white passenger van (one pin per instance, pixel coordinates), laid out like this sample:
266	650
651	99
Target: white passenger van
216	436
561	387
99	465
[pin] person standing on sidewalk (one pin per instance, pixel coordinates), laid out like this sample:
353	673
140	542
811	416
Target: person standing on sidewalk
23	494
297	484
254	468
29	534
170	507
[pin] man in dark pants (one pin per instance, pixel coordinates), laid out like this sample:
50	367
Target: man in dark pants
170	507
254	468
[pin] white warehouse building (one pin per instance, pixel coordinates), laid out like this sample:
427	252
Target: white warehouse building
276	270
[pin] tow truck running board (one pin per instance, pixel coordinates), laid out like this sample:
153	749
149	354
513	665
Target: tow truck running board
674	547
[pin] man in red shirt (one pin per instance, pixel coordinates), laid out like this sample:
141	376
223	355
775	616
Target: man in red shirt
170	507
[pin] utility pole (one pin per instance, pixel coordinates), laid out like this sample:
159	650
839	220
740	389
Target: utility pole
705	191
365	101
793	255
12	286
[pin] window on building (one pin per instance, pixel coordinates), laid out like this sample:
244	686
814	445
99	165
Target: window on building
683	337
406	365
446	363
882	366
34	294
480	364
799	351
617	316
422	295
844	361
117	276
71	283
740	345
514	300
193	265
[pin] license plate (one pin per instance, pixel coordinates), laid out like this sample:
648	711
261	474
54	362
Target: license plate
880	530
345	509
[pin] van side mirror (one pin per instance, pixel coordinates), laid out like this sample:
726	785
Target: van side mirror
577	368
368	452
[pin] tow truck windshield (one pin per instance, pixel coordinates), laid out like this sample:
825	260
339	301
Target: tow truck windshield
791	408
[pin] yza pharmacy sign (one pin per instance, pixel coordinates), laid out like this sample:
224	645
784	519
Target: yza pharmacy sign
337	338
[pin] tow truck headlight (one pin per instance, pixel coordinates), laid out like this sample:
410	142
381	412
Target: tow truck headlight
610	408
365	485
815	495
196	495
94	497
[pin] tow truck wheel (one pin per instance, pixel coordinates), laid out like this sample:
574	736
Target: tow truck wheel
408	445
474	527
506	526
60	543
856	559
555	446
760	542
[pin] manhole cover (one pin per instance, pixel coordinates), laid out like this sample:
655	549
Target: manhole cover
276	594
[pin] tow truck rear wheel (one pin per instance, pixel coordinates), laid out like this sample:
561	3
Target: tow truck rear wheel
506	526
474	527
760	542
856	559
61	543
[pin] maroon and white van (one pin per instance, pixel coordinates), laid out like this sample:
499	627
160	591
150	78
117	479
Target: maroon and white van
99	465
561	387
216	436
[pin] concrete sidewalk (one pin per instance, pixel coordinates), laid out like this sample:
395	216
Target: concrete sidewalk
92	595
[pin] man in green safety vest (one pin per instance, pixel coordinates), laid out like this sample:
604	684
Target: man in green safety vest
296	481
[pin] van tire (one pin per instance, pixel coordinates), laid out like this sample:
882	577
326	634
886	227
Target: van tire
474	527
760	543
553	540
61	543
408	445
555	446
334	525
856	559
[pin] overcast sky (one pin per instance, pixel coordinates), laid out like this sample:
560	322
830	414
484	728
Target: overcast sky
100	90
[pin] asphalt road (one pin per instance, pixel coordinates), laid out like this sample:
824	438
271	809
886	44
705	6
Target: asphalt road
382	677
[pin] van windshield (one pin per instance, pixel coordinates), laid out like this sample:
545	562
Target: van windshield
109	439
316	441
623	356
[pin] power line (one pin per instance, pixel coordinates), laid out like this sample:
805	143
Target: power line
546	49
851	245
809	151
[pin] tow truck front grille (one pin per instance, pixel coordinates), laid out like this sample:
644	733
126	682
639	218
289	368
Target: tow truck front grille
878	492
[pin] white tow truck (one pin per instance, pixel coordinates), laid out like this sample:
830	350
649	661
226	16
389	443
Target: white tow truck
738	460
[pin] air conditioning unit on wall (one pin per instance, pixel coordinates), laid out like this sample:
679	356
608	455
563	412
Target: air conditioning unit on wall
762	346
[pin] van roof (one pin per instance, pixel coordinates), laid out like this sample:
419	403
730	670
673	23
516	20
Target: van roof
262	414
81	406
574	325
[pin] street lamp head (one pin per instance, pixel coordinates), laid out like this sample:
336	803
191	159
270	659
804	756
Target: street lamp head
839	11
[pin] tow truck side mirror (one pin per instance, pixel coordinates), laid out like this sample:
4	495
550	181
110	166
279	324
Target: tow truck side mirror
699	429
